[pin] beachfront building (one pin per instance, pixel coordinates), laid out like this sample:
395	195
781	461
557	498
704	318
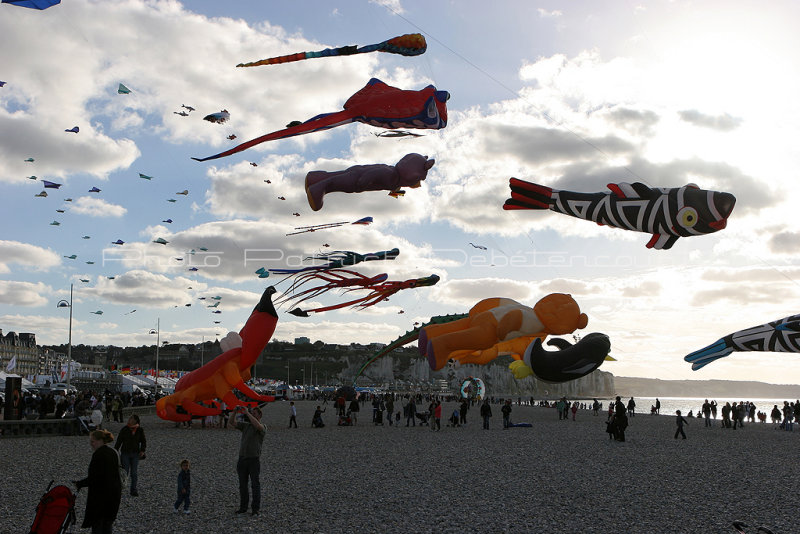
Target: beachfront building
19	353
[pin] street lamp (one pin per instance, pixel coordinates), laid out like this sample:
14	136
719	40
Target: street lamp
157	332
65	304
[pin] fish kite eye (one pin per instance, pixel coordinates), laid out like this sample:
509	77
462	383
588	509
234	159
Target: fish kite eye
687	217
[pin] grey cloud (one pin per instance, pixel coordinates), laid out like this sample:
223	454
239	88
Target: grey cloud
537	145
634	121
785	242
723	123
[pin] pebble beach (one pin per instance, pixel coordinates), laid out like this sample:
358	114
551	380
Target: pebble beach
554	477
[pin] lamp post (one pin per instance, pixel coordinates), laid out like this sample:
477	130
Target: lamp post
202	348
65	304
157	332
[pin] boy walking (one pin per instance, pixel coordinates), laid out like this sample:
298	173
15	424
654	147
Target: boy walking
680	421
184	480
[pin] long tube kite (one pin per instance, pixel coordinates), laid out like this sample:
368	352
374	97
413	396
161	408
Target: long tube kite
338	259
782	335
411	44
376	104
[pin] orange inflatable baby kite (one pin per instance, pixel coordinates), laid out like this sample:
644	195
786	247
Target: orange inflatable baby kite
497	326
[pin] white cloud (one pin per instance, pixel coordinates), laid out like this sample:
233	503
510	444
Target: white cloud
97	207
31	256
24	293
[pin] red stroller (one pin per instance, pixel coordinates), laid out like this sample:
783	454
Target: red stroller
55	512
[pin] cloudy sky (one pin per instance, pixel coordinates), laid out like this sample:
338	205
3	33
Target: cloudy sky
572	95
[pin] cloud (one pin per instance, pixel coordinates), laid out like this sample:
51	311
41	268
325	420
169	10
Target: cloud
37	258
142	288
545	14
786	242
97	207
24	293
722	123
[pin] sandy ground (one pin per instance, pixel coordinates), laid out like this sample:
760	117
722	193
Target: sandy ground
555	477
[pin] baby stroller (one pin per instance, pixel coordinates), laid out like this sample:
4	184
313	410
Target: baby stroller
55	512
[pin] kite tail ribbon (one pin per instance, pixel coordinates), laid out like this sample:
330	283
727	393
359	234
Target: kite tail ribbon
320	122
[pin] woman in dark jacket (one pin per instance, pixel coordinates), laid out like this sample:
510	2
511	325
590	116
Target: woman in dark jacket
131	444
105	490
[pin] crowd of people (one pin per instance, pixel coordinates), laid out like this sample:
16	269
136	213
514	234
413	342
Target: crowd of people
105	482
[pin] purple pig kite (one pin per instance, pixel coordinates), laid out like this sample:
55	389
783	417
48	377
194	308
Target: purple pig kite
408	172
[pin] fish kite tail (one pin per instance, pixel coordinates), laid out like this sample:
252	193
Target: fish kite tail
706	355
529	196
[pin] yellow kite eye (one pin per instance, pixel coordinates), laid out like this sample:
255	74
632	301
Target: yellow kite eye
687	217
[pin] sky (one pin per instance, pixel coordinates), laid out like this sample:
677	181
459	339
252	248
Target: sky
571	95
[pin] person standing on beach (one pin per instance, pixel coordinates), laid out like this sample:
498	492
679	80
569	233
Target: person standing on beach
249	464
390	406
411	412
506	409
354	408
105	488
437	415
486	413
462	413
631	408
292	415
680	421
658	406
707	412
131	444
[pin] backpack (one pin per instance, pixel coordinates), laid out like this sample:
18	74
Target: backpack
55	512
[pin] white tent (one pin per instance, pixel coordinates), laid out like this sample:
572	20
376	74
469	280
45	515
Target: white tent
25	382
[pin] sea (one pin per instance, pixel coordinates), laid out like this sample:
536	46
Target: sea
692	404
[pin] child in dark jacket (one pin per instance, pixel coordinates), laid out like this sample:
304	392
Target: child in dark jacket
184	486
680	421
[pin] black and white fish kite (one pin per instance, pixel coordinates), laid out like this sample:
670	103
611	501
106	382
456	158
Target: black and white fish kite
782	335
666	213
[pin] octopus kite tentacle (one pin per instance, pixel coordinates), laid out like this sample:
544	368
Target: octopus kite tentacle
335	279
380	292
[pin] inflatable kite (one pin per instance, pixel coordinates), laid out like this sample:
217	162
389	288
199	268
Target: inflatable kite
364	221
51	185
33	4
123	90
377	104
408	172
218	117
498	326
473	388
667	214
567	363
379	289
74	129
782	335
230	370
338	259
411	44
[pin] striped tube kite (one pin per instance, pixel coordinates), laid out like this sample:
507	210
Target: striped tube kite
411	44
